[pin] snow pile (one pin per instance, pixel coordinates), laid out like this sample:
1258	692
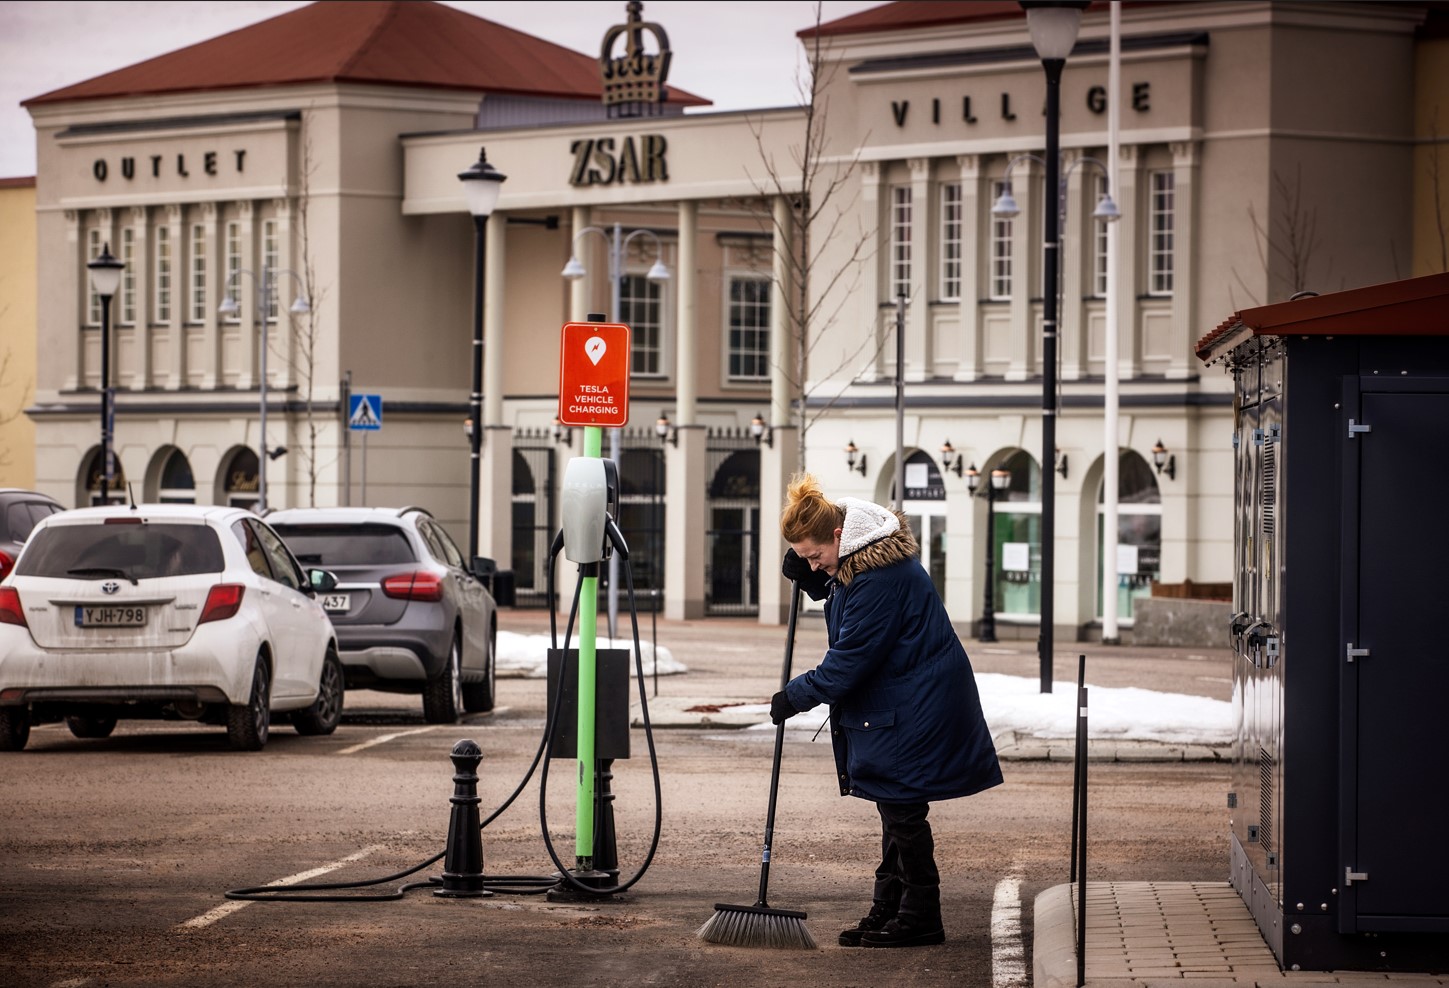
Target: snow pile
526	656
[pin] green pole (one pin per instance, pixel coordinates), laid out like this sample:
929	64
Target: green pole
588	619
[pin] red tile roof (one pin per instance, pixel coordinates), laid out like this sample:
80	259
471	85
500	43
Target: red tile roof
908	14
385	42
1414	307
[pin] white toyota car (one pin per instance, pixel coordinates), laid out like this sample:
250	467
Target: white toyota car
164	610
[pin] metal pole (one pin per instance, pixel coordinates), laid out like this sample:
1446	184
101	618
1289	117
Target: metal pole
901	401
1053	67
262	297
475	438
988	603
1110	394
616	271
106	399
346	441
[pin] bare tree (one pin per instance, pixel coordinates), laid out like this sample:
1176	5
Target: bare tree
305	337
1286	242
821	211
10	412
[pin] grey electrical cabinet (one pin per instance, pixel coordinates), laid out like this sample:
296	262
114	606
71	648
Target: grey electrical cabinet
1339	802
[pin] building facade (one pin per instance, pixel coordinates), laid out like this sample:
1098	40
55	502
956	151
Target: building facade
1251	166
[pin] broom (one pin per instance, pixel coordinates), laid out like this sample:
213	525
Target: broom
759	925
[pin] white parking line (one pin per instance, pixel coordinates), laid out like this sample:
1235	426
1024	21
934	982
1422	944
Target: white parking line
232	905
1008	966
384	739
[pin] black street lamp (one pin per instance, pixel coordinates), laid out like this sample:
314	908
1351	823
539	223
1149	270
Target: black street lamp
1000	479
105	279
482	184
1053	25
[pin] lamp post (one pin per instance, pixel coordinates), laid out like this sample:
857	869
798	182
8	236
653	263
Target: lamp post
1053	25
1000	479
618	243
106	273
265	285
482	184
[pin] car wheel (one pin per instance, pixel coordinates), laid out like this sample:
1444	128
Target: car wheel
325	713
443	694
478	697
247	724
14	728
91	727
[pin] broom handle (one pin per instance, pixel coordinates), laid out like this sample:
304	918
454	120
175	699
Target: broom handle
779	746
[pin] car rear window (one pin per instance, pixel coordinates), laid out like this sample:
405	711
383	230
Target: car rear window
346	545
106	551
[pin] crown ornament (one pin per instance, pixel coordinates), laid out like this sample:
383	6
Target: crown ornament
634	81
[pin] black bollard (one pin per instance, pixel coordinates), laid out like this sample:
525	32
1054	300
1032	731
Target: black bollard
463	860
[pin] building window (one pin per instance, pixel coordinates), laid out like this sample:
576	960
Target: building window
1160	217
900	241
163	274
641	307
178	486
1000	251
233	265
128	276
1139	534
951	240
1099	244
271	256
93	251
749	357
198	272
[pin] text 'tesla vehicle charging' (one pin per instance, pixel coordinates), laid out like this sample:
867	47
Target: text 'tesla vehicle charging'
588	688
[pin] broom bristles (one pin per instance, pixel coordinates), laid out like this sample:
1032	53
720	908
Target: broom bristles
756	926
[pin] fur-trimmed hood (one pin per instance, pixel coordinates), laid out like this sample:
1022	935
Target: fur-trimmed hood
872	537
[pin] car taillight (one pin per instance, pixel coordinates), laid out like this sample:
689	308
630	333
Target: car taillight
414	586
222	602
10	612
7	563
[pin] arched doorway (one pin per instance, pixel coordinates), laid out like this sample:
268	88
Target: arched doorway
925	509
731	578
1139	533
1017	540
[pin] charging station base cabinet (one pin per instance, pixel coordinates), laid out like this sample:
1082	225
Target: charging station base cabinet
1340	629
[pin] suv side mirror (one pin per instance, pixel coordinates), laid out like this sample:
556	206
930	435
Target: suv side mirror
484	568
321	580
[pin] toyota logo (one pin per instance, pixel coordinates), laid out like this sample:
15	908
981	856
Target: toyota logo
110	586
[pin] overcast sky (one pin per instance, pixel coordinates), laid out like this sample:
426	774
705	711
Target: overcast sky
741	55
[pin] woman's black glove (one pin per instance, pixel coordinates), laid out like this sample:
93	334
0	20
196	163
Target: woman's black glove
814	583
781	709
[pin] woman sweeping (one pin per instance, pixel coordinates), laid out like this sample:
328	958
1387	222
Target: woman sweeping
905	717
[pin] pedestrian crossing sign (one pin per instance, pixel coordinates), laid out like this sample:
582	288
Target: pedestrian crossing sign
364	412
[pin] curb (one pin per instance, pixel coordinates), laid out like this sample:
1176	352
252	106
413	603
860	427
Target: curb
1054	939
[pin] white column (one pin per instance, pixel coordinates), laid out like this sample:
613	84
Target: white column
78	281
1076	231
1026	260
495	488
780	460
579	288
686	322
282	360
1131	234
687	462
215	292
920	358
175	371
140	364
975	216
1186	157
872	179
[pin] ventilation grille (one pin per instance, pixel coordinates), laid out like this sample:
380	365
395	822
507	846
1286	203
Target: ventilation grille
1269	499
1265	800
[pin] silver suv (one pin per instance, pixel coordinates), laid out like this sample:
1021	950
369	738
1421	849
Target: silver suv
411	615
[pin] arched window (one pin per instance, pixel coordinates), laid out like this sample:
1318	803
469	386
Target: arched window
240	480
115	490
925	510
1139	533
1017	537
178	486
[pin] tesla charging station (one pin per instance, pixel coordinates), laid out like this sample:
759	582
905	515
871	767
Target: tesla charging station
1341	668
593	394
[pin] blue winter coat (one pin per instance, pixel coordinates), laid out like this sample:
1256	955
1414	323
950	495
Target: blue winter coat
906	720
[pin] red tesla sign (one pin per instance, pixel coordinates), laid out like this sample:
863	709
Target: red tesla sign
593	380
